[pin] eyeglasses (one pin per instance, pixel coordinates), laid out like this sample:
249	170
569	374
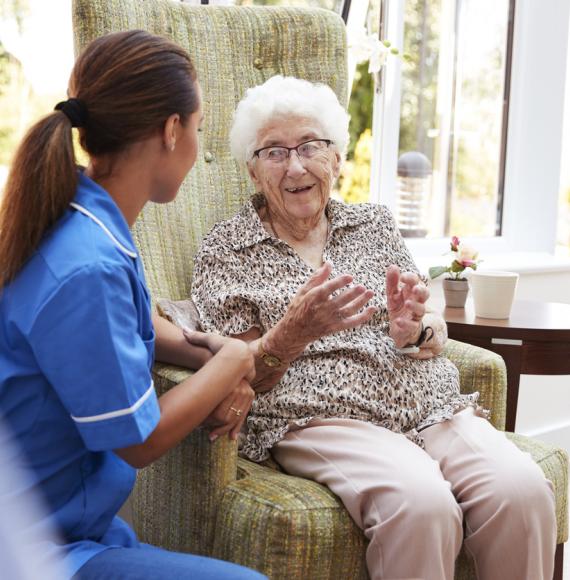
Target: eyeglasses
280	153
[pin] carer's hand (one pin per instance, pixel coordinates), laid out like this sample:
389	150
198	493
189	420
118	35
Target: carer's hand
230	414
214	343
406	297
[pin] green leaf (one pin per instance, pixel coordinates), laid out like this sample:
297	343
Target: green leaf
436	271
457	266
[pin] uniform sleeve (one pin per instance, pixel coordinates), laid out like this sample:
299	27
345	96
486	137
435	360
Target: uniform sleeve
87	342
223	297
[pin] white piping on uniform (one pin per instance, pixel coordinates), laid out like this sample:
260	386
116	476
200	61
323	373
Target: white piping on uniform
81	209
119	413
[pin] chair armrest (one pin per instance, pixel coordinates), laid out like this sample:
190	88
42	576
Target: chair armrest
484	371
175	499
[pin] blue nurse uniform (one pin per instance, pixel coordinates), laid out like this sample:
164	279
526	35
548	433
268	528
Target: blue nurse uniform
76	351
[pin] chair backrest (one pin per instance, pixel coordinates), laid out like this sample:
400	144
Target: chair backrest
233	48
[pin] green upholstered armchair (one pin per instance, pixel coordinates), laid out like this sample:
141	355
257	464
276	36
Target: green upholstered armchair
201	497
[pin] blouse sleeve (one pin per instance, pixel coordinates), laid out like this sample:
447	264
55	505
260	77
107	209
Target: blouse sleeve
220	291
87	342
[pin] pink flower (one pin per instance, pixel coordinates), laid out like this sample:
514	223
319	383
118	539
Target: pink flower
467	254
463	257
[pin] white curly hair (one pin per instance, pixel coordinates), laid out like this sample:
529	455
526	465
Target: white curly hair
282	96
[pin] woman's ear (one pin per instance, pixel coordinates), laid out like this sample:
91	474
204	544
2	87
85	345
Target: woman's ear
337	164
170	131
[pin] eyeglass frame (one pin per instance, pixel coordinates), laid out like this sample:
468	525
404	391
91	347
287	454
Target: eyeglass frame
329	142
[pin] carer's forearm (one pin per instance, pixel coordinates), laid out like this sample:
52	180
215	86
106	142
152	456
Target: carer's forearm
186	406
171	346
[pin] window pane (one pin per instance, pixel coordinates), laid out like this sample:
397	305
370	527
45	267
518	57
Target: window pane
452	117
34	67
563	233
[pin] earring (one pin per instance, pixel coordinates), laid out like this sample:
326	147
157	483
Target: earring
172	146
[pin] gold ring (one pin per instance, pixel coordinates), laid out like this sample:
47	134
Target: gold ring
238	412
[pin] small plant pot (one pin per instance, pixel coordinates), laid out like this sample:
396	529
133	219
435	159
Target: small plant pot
455	292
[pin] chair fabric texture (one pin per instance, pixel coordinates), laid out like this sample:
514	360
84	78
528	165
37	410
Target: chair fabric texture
201	497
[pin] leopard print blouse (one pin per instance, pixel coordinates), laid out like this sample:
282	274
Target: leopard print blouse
246	277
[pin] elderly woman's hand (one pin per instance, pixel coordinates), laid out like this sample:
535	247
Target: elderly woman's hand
322	306
406	297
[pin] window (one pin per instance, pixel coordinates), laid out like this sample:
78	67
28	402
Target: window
451	117
563	238
522	152
34	67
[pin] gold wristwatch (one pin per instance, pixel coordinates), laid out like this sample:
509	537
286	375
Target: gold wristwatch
269	359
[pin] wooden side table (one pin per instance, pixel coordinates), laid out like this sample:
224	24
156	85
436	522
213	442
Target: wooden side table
535	340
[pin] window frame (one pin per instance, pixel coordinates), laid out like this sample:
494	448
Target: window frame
534	136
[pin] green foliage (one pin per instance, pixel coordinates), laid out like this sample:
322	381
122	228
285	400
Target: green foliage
16	9
419	77
355	187
360	106
436	271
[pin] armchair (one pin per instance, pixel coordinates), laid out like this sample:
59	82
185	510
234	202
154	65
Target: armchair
201	497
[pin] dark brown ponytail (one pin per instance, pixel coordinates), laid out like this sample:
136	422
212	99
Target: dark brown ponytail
129	83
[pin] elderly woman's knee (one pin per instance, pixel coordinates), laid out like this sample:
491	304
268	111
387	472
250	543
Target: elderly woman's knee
424	504
519	493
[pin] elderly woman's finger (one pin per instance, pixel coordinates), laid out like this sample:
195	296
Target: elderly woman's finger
392	280
347	296
409	278
416	309
360	318
421	292
323	291
355	305
316	279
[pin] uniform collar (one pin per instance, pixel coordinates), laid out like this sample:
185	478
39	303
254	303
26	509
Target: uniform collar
94	202
249	230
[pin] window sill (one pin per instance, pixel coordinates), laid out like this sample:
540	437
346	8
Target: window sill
520	262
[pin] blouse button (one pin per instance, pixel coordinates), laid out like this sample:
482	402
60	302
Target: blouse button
208	157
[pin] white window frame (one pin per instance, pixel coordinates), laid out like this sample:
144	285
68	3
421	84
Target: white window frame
534	141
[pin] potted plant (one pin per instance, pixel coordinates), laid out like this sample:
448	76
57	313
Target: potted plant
455	285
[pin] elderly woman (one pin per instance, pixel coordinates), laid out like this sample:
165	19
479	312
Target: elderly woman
351	388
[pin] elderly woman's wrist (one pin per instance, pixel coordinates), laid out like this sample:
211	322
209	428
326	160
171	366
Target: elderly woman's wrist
279	345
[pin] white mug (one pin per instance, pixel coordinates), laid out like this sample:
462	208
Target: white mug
493	292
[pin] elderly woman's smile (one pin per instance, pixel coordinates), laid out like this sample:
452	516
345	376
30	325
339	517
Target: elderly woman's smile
294	166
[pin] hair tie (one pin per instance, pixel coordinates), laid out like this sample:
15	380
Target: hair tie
75	110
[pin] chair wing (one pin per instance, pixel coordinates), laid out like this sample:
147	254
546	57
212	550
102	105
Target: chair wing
233	49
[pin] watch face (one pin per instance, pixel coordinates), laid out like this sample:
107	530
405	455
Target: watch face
271	361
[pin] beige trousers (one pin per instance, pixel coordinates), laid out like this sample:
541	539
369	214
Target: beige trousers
412	504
